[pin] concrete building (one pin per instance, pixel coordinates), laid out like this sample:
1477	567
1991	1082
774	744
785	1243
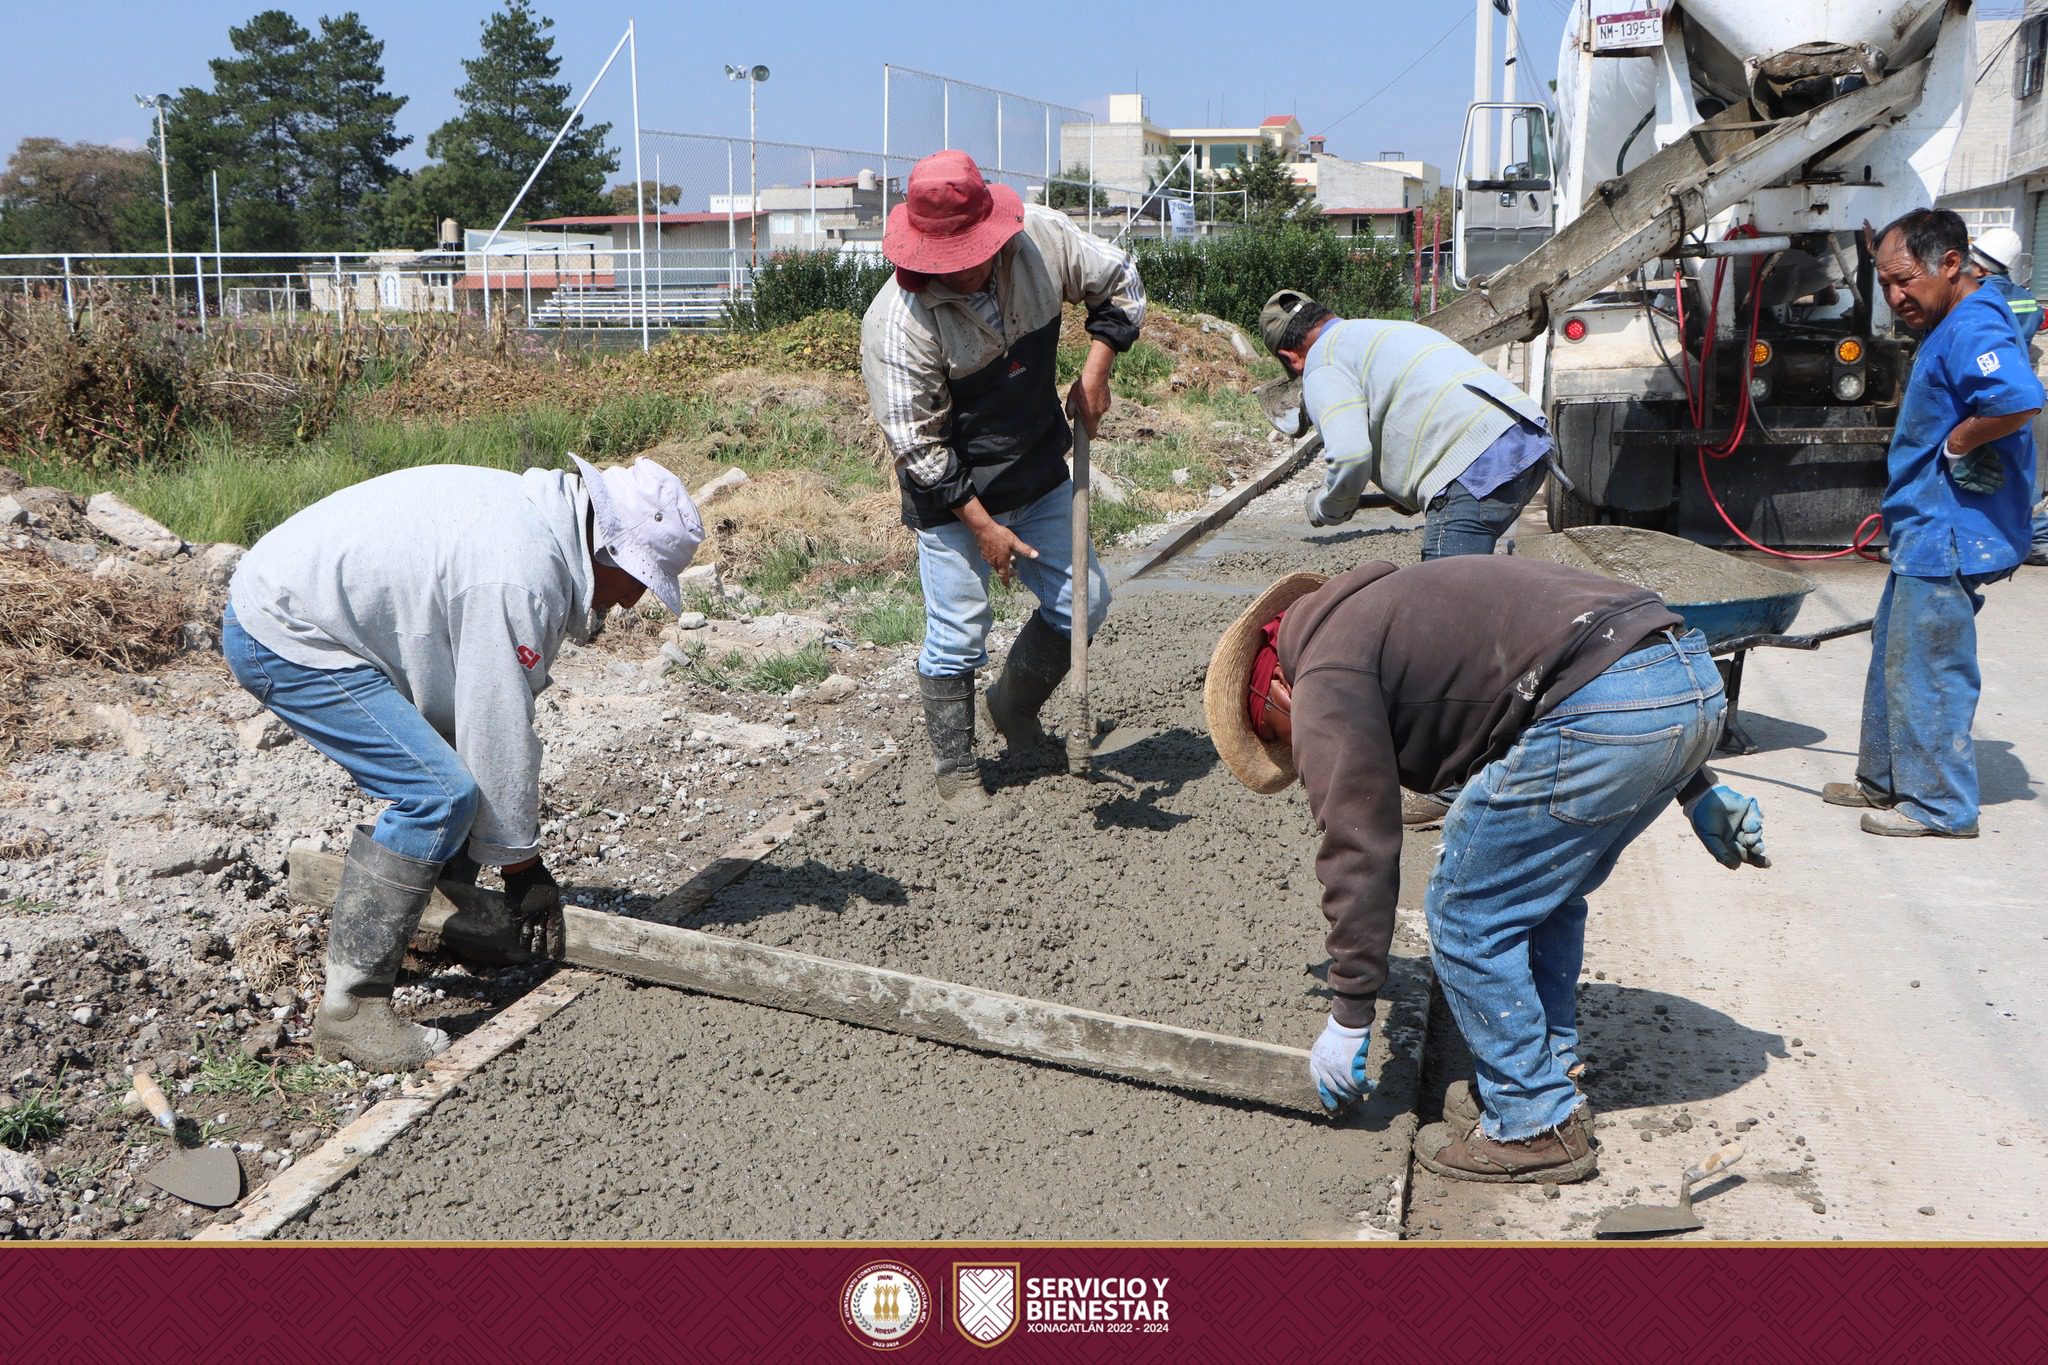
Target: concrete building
1127	149
1370	198
815	216
1998	174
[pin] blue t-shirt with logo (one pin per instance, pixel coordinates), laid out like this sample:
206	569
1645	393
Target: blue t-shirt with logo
1972	364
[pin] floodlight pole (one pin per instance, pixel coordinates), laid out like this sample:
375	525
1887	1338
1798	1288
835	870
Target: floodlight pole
163	162
753	76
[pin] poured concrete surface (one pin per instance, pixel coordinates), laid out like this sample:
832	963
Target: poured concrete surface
1162	890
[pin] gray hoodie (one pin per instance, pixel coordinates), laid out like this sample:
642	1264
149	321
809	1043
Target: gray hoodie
458	584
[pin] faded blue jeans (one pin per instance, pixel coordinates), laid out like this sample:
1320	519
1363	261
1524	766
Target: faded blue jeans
358	719
1920	697
1456	523
1527	841
957	610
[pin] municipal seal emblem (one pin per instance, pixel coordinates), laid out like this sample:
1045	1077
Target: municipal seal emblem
885	1305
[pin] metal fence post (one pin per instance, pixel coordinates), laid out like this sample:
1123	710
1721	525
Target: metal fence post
885	142
732	235
70	305
199	288
814	199
1091	177
337	294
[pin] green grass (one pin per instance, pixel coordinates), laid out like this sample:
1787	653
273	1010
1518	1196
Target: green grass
1138	373
892	621
780	672
26	905
227	487
236	1073
35	1119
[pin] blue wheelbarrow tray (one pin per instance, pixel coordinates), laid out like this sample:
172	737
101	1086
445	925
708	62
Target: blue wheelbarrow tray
1724	598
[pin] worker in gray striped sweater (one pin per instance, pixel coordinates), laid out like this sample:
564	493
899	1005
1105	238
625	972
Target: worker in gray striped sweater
1403	407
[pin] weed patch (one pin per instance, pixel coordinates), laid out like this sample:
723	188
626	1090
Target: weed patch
35	1119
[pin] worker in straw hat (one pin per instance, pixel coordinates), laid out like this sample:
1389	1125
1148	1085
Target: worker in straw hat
1573	708
959	351
403	627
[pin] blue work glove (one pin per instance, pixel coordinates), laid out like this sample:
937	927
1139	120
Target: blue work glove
1731	825
1980	471
1337	1065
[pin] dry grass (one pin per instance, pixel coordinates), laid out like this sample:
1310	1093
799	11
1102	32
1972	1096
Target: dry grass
796	527
52	616
266	954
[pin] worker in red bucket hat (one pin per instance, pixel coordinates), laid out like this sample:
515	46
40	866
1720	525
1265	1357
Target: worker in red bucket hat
958	351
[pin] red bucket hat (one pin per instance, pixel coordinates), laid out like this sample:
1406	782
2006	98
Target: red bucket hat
950	218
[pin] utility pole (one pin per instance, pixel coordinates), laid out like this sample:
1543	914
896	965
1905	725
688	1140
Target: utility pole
753	76
1482	92
163	161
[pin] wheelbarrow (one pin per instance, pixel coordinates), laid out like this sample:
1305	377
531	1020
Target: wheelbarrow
1738	605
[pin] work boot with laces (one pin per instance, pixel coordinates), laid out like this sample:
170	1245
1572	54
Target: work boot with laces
1557	1156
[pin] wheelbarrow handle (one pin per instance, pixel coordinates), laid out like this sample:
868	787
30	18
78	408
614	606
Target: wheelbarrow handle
1813	641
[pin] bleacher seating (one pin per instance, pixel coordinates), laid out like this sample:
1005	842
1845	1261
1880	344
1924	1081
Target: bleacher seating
668	306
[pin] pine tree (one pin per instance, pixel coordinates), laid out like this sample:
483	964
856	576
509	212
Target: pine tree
511	107
265	98
350	133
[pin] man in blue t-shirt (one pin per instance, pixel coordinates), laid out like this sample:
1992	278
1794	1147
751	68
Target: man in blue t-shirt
1956	513
1993	257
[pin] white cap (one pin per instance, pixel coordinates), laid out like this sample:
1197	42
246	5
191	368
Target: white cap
1999	248
645	519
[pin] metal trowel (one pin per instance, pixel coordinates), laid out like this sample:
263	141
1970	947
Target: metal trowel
1281	399
208	1176
1658	1220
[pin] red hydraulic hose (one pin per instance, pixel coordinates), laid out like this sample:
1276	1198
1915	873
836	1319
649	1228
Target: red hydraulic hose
1866	530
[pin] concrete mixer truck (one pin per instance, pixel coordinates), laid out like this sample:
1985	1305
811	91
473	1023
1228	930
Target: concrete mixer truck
1681	244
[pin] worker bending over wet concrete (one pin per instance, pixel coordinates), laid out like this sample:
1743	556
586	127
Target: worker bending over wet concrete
1572	708
1956	517
958	351
1404	408
403	627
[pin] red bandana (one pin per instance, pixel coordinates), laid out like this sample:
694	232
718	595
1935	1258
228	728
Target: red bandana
1263	664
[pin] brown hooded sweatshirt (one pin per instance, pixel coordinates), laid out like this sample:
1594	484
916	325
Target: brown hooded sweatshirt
1418	678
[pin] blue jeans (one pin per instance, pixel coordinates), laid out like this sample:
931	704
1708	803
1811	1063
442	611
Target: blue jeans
957	611
358	719
1920	697
1528	839
1456	523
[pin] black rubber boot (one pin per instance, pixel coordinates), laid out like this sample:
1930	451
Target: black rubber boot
375	912
1036	664
949	720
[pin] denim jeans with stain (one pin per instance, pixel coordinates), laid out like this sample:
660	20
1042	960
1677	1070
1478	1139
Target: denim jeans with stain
1920	698
1529	839
957	609
357	717
1456	523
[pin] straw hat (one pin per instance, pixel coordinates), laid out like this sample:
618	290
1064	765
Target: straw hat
1265	767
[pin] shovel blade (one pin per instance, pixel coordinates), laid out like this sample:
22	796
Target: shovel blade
1647	1220
207	1176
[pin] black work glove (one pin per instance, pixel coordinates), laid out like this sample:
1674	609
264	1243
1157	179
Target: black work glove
1980	471
461	868
536	902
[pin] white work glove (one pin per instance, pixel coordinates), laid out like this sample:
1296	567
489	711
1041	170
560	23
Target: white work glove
1730	824
1337	1065
1317	516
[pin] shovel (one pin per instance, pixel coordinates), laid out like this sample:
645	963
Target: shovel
1657	1220
1081	734
208	1176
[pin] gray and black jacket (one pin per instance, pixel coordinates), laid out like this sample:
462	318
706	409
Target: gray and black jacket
971	409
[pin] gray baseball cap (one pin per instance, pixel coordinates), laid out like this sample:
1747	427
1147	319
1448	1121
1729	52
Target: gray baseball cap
1278	312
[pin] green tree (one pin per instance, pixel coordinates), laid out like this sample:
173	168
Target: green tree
78	196
265	96
1074	189
1263	193
619	198
351	132
511	106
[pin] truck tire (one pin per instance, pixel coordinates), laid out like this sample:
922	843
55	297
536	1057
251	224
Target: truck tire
1564	509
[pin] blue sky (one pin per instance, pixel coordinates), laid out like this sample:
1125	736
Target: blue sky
72	71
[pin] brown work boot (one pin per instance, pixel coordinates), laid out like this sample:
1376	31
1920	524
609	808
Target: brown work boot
1558	1157
1461	1102
1854	794
1420	811
1899	825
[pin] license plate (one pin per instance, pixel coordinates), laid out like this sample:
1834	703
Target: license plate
1642	28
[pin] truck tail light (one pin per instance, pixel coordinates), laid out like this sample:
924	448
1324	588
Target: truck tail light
1575	330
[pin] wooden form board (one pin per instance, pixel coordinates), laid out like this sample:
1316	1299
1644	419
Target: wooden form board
899	1002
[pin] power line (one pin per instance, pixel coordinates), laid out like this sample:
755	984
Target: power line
1403	72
